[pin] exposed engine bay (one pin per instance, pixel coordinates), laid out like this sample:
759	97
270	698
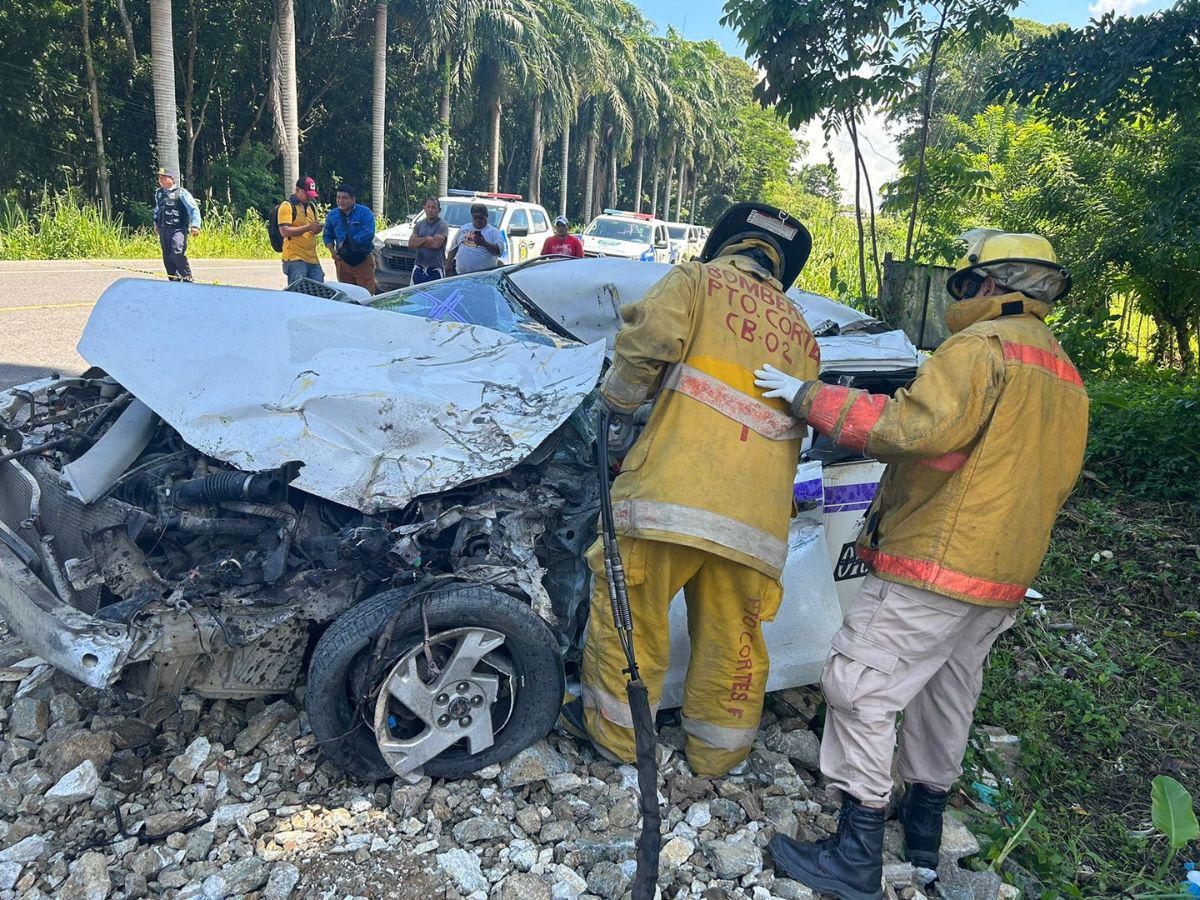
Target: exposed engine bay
221	578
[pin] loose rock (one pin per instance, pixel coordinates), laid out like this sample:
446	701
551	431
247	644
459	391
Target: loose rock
536	763
733	859
463	869
81	783
88	880
188	763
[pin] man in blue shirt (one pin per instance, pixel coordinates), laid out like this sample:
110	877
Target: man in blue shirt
349	234
175	215
479	247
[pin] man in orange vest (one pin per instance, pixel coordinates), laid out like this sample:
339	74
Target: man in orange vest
982	450
703	500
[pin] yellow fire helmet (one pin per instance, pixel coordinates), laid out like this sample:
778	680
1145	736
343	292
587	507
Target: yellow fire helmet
1020	262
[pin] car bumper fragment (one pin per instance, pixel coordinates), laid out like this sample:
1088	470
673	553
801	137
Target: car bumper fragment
86	648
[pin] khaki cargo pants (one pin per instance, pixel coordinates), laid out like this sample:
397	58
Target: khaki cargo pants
727	673
902	648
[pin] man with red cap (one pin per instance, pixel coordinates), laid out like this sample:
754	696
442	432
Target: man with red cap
299	226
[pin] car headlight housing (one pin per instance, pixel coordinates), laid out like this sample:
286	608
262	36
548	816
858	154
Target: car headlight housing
377	243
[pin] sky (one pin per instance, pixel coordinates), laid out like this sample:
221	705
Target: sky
701	19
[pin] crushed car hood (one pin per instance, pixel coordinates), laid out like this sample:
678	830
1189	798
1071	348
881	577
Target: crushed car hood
380	407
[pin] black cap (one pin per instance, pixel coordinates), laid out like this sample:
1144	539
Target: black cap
761	220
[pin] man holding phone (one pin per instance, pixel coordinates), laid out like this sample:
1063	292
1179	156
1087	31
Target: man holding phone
479	247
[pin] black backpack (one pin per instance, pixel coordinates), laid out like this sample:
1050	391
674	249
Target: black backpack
272	219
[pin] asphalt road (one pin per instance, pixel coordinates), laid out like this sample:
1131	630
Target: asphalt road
44	304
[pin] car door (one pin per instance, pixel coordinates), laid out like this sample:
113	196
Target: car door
539	230
666	254
518	236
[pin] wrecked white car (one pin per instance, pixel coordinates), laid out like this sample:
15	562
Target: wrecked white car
393	500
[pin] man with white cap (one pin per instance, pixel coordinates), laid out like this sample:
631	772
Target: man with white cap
175	216
561	243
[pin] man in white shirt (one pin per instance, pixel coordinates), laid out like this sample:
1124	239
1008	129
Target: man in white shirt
479	247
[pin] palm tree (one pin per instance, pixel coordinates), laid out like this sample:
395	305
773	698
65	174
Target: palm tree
378	105
162	68
515	52
578	64
458	34
283	72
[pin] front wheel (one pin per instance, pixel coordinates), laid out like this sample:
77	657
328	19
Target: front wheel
487	683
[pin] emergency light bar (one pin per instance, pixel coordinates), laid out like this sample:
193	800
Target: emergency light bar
460	192
625	212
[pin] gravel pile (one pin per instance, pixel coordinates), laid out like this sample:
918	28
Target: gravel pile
232	799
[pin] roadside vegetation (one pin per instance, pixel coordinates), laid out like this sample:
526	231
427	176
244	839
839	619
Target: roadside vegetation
62	227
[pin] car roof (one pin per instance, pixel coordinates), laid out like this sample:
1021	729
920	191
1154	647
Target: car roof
629	217
488	198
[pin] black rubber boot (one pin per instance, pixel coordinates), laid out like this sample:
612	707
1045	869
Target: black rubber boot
850	865
921	816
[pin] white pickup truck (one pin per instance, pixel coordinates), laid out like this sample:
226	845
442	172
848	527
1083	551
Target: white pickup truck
525	225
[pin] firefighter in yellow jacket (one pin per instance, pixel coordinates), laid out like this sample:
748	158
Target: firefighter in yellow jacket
982	450
703	500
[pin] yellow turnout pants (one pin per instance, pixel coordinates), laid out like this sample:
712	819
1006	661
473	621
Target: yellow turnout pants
727	673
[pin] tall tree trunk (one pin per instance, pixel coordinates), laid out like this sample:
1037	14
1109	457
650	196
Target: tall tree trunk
589	184
94	95
862	250
379	106
566	164
695	200
612	184
682	191
189	94
637	180
654	183
444	121
130	46
535	152
926	113
494	158
162	61
285	18
871	205
599	182
670	176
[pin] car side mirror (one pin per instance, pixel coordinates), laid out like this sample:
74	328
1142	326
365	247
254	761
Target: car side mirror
662	245
518	231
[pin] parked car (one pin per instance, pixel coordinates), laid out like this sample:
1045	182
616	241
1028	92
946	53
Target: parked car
627	235
390	498
526	225
686	241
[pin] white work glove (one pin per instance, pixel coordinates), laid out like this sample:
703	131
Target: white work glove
776	384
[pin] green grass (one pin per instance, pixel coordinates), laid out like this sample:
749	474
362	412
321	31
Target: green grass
1103	688
61	227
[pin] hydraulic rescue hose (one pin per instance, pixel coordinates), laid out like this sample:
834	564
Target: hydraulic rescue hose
650	840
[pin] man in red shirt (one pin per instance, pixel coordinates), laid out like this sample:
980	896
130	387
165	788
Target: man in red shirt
561	243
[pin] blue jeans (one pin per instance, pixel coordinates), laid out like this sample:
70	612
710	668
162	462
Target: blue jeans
295	269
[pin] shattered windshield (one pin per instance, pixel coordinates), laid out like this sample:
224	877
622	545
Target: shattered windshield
485	299
620	230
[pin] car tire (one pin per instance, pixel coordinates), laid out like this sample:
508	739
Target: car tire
344	653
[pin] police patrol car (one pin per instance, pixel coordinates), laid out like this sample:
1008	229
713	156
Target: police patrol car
629	235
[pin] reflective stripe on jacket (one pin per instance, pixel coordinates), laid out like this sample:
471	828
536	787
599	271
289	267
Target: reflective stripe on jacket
713	469
983	449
